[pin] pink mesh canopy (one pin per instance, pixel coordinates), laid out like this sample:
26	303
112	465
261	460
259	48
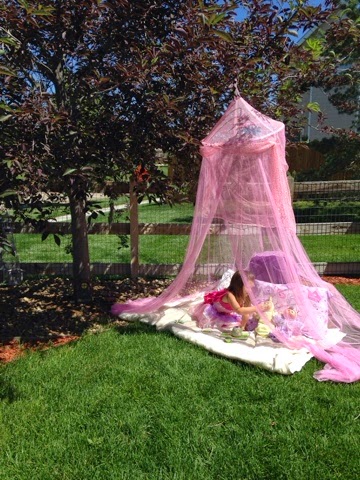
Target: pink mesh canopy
244	221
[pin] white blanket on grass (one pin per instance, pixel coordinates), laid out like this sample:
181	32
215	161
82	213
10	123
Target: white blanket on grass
262	352
256	350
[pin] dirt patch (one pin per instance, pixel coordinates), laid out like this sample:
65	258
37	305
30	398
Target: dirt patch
39	314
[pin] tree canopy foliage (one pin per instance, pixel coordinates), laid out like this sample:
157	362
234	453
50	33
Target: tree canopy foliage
90	89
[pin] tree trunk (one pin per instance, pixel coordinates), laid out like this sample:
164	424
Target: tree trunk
80	248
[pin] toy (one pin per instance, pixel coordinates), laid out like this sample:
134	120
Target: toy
290	313
262	328
238	332
288	323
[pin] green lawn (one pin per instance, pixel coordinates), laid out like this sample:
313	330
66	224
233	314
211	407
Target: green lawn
103	248
171	248
342	210
351	293
135	404
64	209
155	213
332	248
304	210
181	213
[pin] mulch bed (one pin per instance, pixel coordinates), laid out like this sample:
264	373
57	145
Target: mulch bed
342	280
39	314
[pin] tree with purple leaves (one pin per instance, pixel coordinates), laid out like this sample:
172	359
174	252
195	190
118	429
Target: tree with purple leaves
91	89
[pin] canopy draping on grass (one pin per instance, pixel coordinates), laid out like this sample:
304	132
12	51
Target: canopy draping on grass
244	220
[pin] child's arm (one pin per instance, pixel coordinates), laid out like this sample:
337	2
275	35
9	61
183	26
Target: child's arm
244	310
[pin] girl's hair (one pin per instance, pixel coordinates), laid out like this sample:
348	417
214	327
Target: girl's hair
237	284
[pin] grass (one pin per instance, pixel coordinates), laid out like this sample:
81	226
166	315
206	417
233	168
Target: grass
181	213
305	211
170	248
163	248
137	404
326	211
351	293
332	248
152	213
103	248
64	209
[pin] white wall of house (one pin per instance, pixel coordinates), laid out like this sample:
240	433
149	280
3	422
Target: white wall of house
333	117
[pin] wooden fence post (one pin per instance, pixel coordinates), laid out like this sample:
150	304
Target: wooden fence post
134	232
291	182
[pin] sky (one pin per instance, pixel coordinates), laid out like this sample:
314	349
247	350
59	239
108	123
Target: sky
241	12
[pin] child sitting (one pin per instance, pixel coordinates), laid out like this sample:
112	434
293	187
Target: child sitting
231	306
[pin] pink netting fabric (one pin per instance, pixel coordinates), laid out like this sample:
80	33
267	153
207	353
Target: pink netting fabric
244	220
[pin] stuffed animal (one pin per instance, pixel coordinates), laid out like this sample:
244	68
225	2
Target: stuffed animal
269	314
290	313
263	329
287	322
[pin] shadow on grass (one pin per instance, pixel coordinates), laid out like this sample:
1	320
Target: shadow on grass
7	391
134	328
187	219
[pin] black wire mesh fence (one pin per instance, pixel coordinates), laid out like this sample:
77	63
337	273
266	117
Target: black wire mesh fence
327	216
328	224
